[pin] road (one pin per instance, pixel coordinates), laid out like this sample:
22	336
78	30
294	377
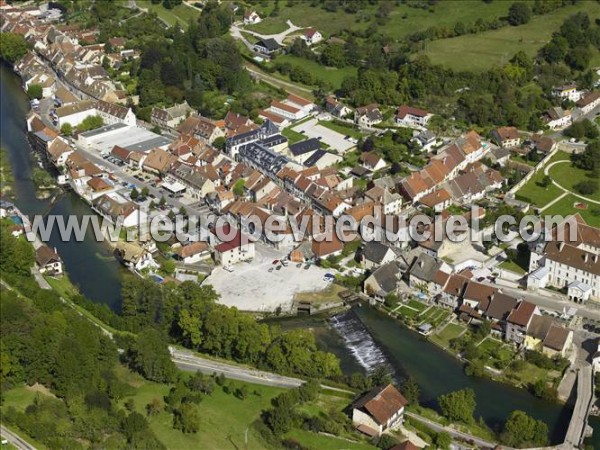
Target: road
452	432
191	363
15	439
565	190
578	423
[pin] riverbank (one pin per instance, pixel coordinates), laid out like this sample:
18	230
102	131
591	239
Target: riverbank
480	352
90	264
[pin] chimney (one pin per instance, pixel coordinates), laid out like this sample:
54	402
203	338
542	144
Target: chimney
585	257
561	246
595	258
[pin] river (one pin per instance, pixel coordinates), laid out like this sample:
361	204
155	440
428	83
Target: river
90	264
365	337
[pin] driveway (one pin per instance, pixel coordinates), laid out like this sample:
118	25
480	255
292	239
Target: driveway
335	140
279	37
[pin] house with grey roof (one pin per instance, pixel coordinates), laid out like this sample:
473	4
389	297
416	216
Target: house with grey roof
376	254
384	281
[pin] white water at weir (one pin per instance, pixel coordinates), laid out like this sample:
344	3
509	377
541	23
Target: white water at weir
359	341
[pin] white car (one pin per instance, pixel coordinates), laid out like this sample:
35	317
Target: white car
228	268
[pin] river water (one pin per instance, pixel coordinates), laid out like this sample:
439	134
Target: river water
89	263
362	338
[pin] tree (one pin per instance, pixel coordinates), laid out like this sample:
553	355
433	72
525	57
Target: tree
150	356
154	407
134	195
13	47
443	440
521	430
411	391
133	424
66	129
35	91
90	123
238	187
458	406
386	442
187	418
546	181
162	201
589	159
219	143
586	187
519	13
145	192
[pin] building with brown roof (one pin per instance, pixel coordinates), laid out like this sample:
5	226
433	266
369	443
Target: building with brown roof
506	137
202	128
379	410
409	116
518	321
48	261
192	253
158	161
500	307
546	335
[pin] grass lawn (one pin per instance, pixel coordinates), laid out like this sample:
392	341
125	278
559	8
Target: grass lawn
565	206
269	25
433	316
403	20
322	442
513	267
327	295
181	13
331	75
342	128
293	136
450	331
415	304
62	286
568	176
535	194
224	417
407	312
494	48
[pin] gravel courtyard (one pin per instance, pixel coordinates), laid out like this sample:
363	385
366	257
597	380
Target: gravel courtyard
335	140
251	287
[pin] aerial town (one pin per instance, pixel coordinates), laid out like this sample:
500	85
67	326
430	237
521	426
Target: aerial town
214	150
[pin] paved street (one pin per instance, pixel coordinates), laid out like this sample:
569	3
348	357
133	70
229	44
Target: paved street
15	439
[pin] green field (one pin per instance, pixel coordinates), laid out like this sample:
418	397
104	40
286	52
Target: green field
292	136
224	417
342	128
565	206
331	75
568	176
181	13
322	442
495	48
450	331
402	21
538	195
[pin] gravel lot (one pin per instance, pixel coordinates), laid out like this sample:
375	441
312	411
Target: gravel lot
251	287
332	138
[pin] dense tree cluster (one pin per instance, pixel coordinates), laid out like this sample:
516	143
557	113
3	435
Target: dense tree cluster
13	47
190	314
200	64
458	406
44	341
589	159
573	43
522	431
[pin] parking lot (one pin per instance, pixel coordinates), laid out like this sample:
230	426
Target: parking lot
335	140
252	287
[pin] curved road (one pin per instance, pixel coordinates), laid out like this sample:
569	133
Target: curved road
549	166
